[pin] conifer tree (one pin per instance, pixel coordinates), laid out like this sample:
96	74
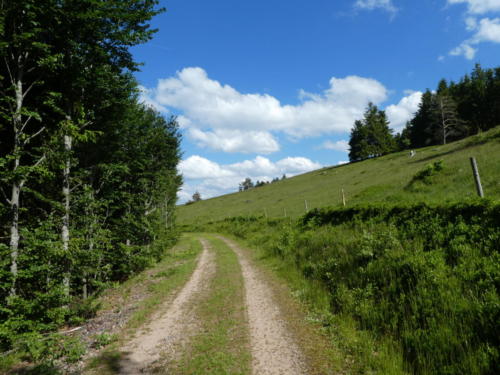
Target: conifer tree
371	137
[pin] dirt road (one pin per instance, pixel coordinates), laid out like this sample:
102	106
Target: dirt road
273	349
171	326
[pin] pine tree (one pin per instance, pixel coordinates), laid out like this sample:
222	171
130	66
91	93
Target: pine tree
371	137
423	120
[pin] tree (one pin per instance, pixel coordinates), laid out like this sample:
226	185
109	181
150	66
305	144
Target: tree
446	121
423	119
403	139
26	58
196	197
371	137
246	184
94	48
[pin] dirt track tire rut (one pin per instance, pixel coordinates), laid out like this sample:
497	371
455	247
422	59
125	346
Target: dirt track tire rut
274	350
171	325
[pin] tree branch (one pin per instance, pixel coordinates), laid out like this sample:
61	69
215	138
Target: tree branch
29	89
8	69
75	187
27	140
25	123
5	196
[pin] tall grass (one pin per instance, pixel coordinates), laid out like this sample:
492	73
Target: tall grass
423	277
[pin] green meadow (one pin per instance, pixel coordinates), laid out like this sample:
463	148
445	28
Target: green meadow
402	280
388	179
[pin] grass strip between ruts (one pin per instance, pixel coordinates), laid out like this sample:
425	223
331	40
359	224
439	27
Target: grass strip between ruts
222	345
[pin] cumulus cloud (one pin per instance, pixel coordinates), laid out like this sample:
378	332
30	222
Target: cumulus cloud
479	6
220	117
211	178
342	145
376	4
235	140
399	114
485	30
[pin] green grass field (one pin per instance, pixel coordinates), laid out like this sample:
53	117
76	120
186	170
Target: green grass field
383	179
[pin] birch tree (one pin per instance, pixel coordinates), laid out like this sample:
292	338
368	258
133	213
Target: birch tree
26	58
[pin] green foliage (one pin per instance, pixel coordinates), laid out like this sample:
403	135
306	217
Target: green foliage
103	339
70	61
425	174
371	136
457	110
45	349
424	277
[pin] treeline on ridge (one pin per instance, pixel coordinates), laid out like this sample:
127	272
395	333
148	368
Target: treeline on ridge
453	111
88	177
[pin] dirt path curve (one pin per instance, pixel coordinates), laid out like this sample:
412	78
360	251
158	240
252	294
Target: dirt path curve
171	325
273	348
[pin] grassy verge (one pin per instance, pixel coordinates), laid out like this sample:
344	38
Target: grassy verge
160	283
222	346
409	288
332	344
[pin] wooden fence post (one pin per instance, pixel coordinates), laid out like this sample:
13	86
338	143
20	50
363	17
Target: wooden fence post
343	197
307	208
475	171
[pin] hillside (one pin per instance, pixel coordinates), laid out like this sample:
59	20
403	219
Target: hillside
383	179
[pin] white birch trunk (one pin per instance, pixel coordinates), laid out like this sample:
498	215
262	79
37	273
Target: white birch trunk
16	186
65	233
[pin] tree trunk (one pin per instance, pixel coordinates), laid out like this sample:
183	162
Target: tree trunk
65	233
16	185
443	120
14	234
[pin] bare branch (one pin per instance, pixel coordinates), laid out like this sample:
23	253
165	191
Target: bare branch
86	124
76	186
40	161
8	69
5	196
29	88
25	123
27	140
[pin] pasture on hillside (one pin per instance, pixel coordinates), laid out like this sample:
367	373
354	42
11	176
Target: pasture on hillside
384	179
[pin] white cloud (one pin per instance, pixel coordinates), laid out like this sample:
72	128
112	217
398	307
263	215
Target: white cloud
342	145
212	179
236	140
376	4
196	167
464	49
486	30
399	114
479	6
220	117
145	96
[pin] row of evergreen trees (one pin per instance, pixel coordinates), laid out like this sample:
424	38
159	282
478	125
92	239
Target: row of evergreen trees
453	111
88	177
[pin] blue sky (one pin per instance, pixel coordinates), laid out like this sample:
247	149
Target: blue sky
267	87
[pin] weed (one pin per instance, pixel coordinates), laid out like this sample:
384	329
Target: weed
103	339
